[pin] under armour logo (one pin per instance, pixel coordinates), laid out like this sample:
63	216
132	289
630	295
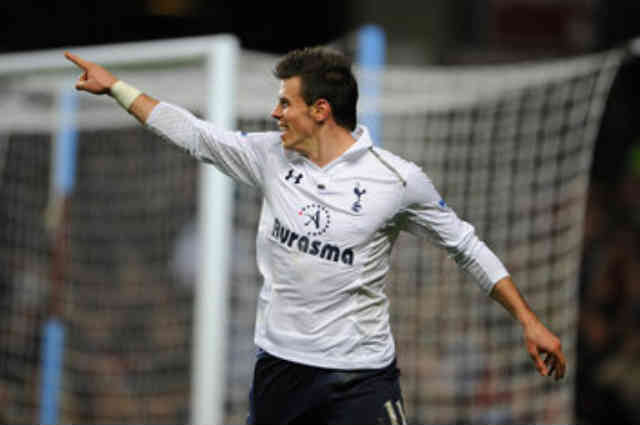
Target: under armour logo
290	175
357	205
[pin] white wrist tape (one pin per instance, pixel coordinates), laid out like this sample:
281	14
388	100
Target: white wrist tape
124	93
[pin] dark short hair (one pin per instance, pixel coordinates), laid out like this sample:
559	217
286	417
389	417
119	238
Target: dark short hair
325	74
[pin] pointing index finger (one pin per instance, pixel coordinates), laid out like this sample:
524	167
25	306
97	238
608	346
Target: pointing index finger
77	60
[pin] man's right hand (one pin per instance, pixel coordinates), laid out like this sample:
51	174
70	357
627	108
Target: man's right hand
95	79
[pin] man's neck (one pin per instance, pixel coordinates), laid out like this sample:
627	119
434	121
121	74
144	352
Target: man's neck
327	144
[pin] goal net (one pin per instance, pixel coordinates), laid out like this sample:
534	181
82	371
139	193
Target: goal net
509	148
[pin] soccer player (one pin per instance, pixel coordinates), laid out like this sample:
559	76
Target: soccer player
333	207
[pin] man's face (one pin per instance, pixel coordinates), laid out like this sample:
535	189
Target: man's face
293	114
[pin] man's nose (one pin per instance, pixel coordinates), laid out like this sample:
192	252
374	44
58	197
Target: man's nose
276	113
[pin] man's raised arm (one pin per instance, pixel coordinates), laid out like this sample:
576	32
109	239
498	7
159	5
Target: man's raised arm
97	80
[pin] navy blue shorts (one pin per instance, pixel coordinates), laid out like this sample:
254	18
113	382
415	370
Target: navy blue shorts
284	392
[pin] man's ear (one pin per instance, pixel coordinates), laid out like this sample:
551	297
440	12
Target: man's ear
321	110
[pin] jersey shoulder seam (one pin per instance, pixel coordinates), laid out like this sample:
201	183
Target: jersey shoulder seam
387	161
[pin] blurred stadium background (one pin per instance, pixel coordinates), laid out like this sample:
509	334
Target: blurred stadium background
439	32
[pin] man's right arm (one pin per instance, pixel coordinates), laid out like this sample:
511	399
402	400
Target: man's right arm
241	156
142	106
97	80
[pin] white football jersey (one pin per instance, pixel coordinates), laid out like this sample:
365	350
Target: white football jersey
325	237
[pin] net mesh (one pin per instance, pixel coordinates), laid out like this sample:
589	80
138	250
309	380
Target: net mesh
508	147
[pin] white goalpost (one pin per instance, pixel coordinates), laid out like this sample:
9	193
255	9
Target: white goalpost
217	56
216	209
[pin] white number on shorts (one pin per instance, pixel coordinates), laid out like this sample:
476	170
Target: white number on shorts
393	418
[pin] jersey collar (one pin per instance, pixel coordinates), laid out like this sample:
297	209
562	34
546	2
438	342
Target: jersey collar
362	144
